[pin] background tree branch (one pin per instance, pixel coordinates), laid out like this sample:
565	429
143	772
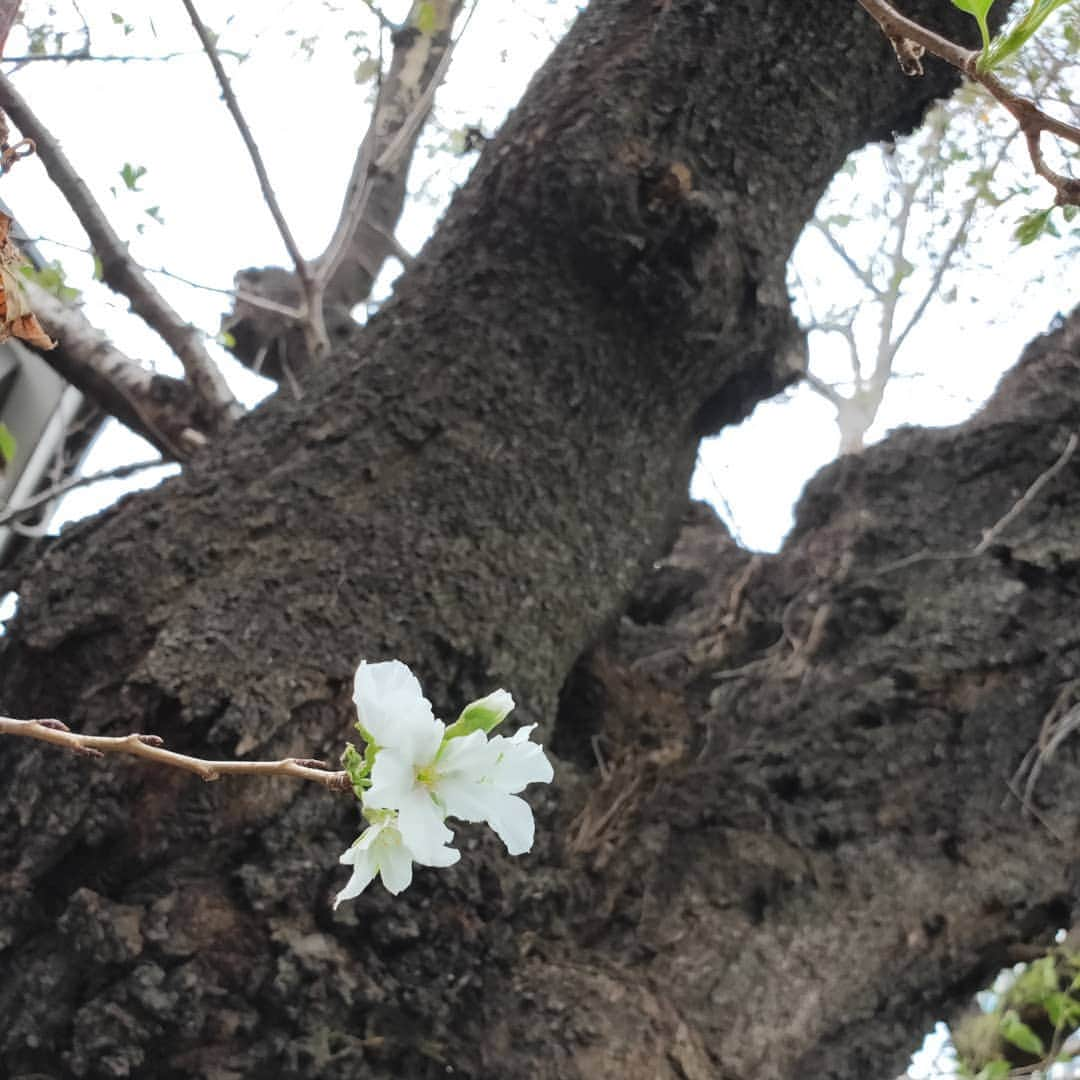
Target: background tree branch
217	406
364	235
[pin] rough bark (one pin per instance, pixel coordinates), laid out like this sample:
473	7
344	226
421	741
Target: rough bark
475	487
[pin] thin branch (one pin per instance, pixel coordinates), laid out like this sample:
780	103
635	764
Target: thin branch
1032	120
384	21
238	294
849	262
829	393
119	271
989	535
314	325
1024	501
35	502
898	27
151	748
117	58
955	243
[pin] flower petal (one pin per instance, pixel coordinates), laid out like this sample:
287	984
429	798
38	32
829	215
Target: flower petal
442	856
465	798
393	776
512	820
519	762
421	823
362	876
388	697
469	755
395	867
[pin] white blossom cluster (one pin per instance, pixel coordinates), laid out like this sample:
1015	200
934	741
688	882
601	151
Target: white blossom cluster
416	772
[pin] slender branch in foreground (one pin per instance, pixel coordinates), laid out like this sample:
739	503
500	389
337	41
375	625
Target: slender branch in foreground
819	386
119	271
314	325
1031	119
1022	503
110	58
151	748
54	491
237	294
995	530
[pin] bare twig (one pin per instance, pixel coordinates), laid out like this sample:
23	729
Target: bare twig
151	748
384	20
62	487
84	54
863	275
120	272
1060	722
819	386
989	535
1025	500
319	343
238	294
1031	119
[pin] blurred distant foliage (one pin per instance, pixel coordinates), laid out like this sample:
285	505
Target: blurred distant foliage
908	227
1026	1025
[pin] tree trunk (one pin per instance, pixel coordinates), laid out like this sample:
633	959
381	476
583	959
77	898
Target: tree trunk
784	880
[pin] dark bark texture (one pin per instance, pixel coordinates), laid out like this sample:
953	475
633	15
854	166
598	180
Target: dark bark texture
795	853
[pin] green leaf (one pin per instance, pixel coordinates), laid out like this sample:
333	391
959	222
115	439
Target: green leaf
998	1069
131	175
52	279
7	447
1014	1030
978	10
1025	29
226	340
426	19
155	213
99	269
117	18
1063	1010
1031	226
366	70
1070	212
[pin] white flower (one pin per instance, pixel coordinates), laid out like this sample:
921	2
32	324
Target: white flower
477	779
398	717
389	702
426	776
381	850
